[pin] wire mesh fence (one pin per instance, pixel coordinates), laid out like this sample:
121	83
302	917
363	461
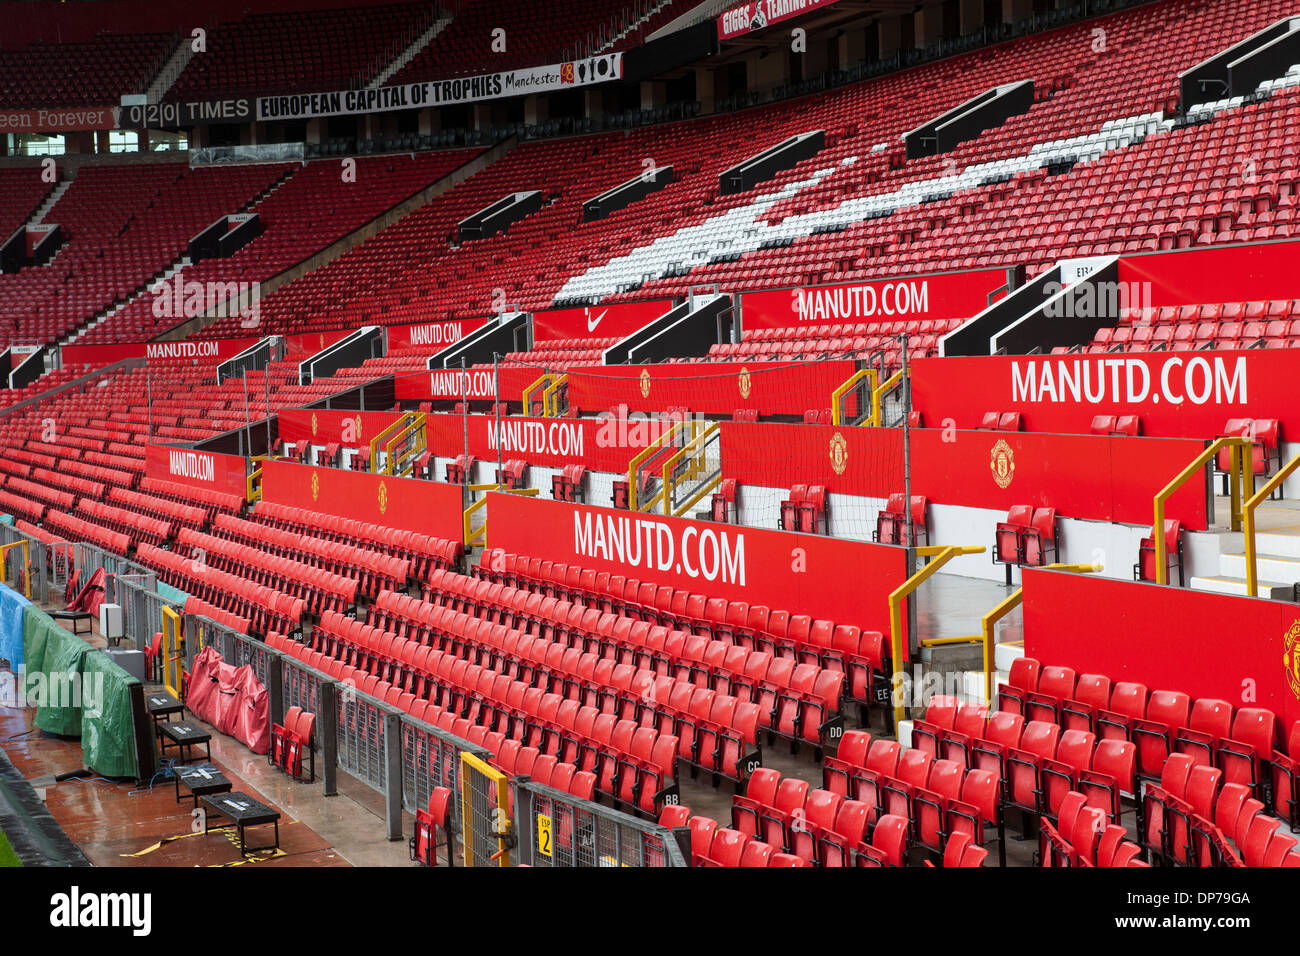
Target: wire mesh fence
557	830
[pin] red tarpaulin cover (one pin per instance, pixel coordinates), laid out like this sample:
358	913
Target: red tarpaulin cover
231	699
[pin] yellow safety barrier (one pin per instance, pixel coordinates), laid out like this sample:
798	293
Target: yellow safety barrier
1241	482
1005	607
551	397
27	563
1248	520
694	447
253	489
645	453
941	555
542	381
173	652
878	396
837	396
473	538
486	831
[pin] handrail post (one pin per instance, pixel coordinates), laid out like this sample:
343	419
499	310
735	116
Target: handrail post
942	554
1248	518
1005	607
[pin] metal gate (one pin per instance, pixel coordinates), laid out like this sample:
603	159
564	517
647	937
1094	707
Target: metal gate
486	833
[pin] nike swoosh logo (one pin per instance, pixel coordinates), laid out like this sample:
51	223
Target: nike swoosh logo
592	323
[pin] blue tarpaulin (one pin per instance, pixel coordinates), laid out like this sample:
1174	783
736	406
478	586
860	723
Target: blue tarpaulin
11	627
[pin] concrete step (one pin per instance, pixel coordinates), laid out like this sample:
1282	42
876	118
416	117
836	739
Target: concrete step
1226	584
1283	545
1268	565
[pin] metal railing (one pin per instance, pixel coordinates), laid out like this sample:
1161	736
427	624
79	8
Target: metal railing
1241	485
558	830
1248	519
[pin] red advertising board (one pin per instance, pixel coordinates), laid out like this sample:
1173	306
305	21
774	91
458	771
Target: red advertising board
1239	649
299	347
847	582
1095	478
947	295
202	469
1176	394
710	388
598	321
758	14
849	461
1091	477
428	507
1237	273
205	350
433	336
324	426
602	444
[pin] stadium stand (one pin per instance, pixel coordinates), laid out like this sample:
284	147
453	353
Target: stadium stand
628	685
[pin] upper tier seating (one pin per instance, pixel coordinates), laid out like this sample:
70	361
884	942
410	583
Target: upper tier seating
300	51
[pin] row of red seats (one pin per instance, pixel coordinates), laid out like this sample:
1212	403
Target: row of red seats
1081	837
22	507
862	655
183	515
373	570
798	701
209	499
320	590
265	608
823	828
81	487
1159	723
225	618
1027	537
292	740
1193	813
61	500
717	731
138	528
75	529
634	764
425	552
730	850
938	797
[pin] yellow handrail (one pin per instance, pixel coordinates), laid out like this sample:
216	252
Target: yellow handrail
550	399
1005	607
418	423
1248	520
942	554
253	493
699	439
27	563
471	537
540	382
837	396
878	396
649	451
1236	485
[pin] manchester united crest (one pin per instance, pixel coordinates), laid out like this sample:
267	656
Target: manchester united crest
645	384
1291	658
383	498
1002	462
313	425
746	382
315	486
839	453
